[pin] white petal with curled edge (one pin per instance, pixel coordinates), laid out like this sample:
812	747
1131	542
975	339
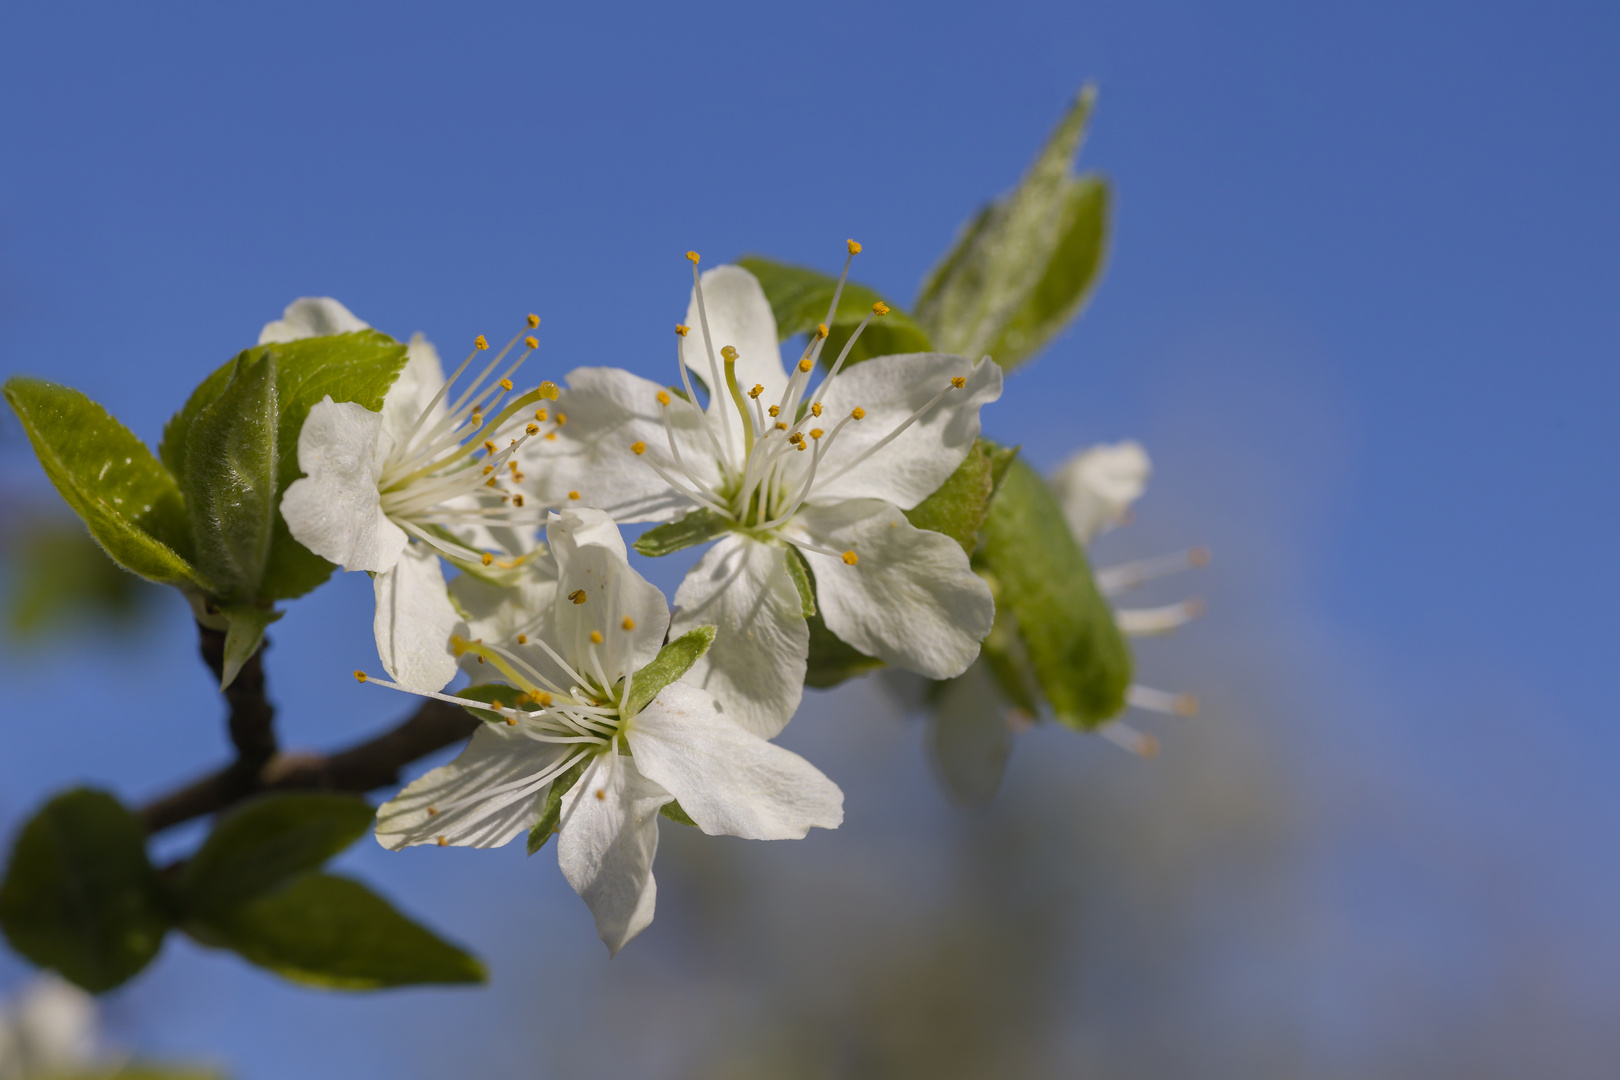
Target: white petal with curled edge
598	592
890	389
755	668
607	837
739	316
414	621
608	412
311	316
485	797
418	383
1096	486
910	599
335	510
730	781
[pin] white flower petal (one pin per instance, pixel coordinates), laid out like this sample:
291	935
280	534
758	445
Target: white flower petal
891	389
1096	486
54	1031
311	316
739	316
971	738
606	842
413	391
755	668
911	599
414	621
729	781
335	510
501	613
598	592
481	799
608	411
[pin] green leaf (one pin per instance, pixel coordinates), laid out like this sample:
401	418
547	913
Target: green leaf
80	895
551	812
328	931
494	693
672	661
960	505
673	811
800	573
128	500
263	843
800	297
1041	577
358	367
230	479
831	659
244	631
697	527
59	575
1022	267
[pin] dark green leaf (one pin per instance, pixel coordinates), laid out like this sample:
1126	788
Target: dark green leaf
1022	267
1042	578
800	573
672	661
673	811
230	479
126	497
551	812
328	931
959	507
262	844
80	895
244	631
697	527
800	297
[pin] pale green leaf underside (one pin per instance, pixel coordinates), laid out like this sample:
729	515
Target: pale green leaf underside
672	661
697	527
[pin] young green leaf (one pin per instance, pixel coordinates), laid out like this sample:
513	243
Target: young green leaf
1042	578
672	661
80	895
128	500
1023	266
697	527
551	812
328	931
260	845
959	506
230	479
799	299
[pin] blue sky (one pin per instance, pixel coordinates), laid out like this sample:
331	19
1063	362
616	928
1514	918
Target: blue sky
1360	307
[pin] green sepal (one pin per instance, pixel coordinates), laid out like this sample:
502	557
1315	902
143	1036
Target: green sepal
672	661
230	479
128	500
799	299
697	527
1023	267
551	811
244	631
263	843
1042	578
673	811
328	931
800	573
959	506
80	895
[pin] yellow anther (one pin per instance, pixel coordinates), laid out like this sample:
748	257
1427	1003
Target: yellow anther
596	637
681	330
489	447
549	391
543	700
780	426
512	465
759	388
488	558
821	330
433	811
577	596
532	342
511	721
729	354
628	623
360	676
858	413
638	447
573	494
534	321
443	841
801	446
532	429
815	410
540	415
805	364
551	436
517	500
692	257
775	410
523	639
880	308
959	382
850	558
601	793
854	247
562	418
816	433
480	343
663	397
488	469
490	482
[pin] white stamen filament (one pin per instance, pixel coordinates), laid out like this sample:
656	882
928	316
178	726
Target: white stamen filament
1143	622
1113	580
1161	701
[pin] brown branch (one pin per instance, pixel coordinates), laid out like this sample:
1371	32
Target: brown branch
259	767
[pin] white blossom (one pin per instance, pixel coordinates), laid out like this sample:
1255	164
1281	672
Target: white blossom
48	1030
